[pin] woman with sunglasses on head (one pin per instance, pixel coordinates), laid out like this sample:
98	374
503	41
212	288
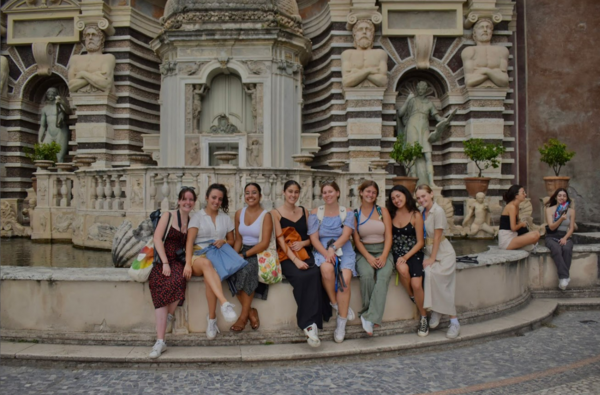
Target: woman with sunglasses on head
439	264
330	228
166	281
210	224
513	233
407	248
373	241
298	264
560	218
252	223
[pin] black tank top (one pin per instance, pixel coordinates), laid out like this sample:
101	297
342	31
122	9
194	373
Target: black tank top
505	222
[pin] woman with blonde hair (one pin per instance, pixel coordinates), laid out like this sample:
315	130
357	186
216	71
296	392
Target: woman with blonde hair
439	264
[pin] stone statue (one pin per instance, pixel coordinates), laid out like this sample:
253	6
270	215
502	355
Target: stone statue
95	71
194	154
413	123
364	66
3	74
478	217
485	62
254	157
9	225
53	124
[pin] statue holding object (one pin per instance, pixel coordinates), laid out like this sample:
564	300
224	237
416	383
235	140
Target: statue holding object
53	123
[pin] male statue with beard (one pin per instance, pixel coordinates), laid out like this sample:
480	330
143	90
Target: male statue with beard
92	72
364	66
485	62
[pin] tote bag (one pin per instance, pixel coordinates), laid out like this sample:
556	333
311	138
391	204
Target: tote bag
142	265
225	260
269	268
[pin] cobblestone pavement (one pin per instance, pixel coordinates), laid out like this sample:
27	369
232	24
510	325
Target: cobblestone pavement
560	358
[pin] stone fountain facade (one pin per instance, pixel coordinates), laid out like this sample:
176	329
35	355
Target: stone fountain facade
190	92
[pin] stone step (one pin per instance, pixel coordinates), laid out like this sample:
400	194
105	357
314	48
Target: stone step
586	237
593	292
528	318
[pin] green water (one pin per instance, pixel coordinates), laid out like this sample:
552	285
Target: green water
24	252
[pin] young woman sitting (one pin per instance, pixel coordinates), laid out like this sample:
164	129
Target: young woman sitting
560	217
513	233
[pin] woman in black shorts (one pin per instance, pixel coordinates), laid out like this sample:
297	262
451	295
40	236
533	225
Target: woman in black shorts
408	241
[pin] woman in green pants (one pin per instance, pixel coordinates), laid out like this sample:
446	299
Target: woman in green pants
373	241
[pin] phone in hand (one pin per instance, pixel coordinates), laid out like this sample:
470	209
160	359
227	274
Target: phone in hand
564	211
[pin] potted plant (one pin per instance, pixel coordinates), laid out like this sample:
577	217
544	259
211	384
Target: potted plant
555	154
406	155
43	155
484	155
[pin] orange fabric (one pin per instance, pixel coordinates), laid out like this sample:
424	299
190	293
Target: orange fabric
290	235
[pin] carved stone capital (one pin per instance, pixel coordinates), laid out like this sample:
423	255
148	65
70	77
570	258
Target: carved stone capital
168	68
363	14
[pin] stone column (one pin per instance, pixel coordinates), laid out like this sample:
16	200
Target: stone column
94	130
364	126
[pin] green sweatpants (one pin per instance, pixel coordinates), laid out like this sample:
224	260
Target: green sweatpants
373	283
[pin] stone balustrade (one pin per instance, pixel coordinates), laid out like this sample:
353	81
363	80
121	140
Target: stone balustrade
88	205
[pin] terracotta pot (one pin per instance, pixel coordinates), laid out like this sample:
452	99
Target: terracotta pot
553	183
476	184
409	182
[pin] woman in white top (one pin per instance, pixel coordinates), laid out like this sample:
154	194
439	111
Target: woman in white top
206	225
439	264
248	224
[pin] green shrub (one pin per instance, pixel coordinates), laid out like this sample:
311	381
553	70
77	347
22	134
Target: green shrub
406	154
555	154
485	155
43	151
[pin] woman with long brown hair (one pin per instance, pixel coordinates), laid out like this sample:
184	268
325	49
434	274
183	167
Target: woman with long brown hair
560	217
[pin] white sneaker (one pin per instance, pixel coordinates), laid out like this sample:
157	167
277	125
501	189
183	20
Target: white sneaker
563	283
212	329
170	323
312	335
159	347
434	320
340	330
453	331
367	326
351	314
228	312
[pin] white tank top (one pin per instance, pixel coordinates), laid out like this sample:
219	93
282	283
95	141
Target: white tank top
250	234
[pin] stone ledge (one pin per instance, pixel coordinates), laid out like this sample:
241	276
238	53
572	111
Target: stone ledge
529	318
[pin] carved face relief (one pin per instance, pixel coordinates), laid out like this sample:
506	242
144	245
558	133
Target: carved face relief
482	32
422	88
363	33
94	39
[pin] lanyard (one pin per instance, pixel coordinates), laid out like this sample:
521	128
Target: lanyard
424	228
365	221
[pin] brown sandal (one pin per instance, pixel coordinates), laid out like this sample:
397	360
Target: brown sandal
254	320
238	327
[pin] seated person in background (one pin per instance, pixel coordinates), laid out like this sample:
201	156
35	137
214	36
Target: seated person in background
513	233
561	225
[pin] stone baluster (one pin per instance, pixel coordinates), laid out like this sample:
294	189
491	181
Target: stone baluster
63	191
198	185
107	193
93	195
117	202
240	197
166	190
317	189
152	178
179	177
99	193
54	200
267	202
278	191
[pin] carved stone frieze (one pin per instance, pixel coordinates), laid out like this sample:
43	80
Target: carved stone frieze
254	154
168	67
101	232
251	90
194	68
255	67
9	224
63	223
137	193
288	67
223	126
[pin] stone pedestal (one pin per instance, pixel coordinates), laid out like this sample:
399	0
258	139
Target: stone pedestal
94	129
364	126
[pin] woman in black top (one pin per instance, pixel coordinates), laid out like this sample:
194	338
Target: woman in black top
513	233
293	242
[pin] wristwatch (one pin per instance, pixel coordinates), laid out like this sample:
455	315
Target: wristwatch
244	254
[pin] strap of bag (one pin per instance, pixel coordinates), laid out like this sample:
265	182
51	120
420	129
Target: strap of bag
320	214
262	220
169	227
379	212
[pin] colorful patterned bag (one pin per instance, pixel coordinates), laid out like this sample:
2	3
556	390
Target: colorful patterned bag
142	265
269	268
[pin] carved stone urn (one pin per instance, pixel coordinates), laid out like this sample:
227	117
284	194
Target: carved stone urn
553	183
303	159
409	182
225	157
43	165
336	163
475	185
